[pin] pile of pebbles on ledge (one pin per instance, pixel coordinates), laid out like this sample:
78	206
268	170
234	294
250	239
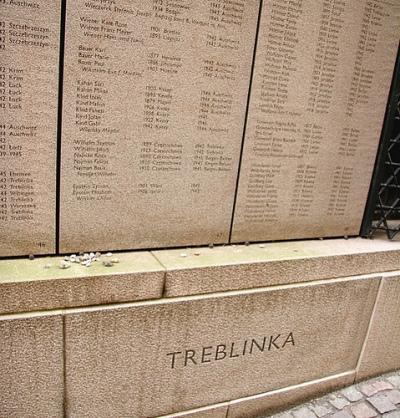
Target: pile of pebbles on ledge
86	259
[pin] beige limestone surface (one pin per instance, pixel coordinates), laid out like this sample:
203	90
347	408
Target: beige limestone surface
271	402
319	92
155	96
207	270
39	284
31	366
213	411
381	353
29	48
162	357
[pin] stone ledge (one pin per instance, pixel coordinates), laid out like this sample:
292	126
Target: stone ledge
26	285
208	270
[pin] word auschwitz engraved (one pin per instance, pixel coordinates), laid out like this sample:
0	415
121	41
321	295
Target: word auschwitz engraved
228	351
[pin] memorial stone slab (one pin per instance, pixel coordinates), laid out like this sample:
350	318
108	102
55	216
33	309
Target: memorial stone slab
321	80
29	55
31	365
162	357
153	115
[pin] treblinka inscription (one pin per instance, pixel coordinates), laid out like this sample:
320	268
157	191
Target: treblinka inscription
228	351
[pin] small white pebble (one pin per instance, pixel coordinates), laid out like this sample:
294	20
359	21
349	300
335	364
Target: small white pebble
183	255
197	253
262	245
66	258
65	264
115	260
78	259
91	255
109	255
98	254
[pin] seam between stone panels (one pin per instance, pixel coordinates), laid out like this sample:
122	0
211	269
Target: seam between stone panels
165	270
227	409
65	403
63	5
245	119
371	320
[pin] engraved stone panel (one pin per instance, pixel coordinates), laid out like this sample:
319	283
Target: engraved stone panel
153	358
321	81
29	54
154	105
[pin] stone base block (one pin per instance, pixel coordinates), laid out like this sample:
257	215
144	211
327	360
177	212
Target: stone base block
224	332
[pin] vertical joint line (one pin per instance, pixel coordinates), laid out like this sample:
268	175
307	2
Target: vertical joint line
371	320
59	121
64	369
246	118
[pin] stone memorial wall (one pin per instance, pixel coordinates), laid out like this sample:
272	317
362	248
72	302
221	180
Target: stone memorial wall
186	123
154	106
29	55
322	73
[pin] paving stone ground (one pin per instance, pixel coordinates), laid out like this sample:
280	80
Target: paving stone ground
375	398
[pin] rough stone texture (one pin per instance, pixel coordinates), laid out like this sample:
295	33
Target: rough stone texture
29	98
385	398
118	362
26	285
394	380
341	414
171	85
301	174
215	411
381	353
265	403
339	402
394	414
31	366
363	410
321	409
352	394
394	396
381	403
207	270
303	412
369	389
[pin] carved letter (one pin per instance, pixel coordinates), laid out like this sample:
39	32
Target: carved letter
272	342
289	339
173	357
220	350
204	354
189	354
